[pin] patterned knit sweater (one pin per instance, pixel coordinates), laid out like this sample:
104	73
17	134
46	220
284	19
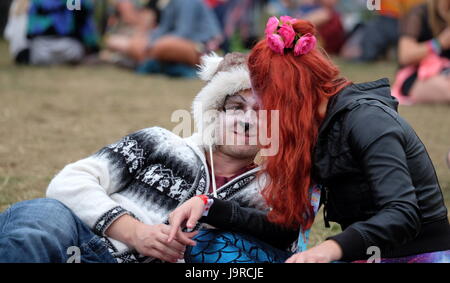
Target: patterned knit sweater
146	174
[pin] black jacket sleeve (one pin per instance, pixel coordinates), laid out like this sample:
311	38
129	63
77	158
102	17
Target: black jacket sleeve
378	141
230	216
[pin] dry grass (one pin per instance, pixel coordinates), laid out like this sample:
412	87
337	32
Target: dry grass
52	116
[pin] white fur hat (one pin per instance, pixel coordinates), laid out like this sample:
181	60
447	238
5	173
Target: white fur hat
221	82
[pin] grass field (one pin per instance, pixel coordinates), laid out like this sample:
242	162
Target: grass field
53	116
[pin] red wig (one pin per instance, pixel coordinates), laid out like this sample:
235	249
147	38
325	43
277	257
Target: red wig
296	86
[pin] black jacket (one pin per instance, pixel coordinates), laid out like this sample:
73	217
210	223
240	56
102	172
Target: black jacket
379	182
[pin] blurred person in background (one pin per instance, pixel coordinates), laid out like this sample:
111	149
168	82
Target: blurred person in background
4	11
222	10
373	38
329	25
238	18
352	13
424	53
44	32
187	29
16	31
128	22
447	158
322	13
139	15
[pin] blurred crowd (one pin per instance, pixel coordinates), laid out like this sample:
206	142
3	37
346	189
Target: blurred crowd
169	36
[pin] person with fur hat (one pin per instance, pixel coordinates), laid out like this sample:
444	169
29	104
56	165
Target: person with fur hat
113	206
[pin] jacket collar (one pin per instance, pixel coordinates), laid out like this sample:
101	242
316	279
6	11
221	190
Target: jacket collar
351	96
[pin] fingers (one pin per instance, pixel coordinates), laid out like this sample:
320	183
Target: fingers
169	251
296	258
163	256
161	251
192	234
183	238
174	243
301	258
196	214
175	221
159	248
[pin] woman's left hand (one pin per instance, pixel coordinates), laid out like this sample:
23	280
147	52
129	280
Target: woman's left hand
189	212
326	252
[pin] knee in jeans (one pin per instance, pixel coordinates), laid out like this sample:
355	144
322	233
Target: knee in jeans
46	209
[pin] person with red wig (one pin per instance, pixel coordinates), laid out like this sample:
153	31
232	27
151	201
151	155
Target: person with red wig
376	178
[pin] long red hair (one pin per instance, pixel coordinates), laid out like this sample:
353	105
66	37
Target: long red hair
294	85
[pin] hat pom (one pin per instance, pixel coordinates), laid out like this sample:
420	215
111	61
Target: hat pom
209	66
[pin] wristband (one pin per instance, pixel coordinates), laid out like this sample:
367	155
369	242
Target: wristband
204	198
208	206
208	202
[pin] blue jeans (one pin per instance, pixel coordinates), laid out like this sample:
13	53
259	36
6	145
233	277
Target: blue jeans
45	230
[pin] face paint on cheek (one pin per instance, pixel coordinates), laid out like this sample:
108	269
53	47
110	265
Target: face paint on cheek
232	133
225	129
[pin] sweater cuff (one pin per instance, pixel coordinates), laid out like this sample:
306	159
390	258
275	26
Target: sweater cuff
108	218
220	213
352	245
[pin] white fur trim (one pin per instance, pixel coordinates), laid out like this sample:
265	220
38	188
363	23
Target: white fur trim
209	65
213	95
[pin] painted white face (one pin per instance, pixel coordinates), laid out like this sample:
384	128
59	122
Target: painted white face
238	125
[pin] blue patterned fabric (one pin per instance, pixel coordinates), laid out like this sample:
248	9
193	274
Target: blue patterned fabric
216	246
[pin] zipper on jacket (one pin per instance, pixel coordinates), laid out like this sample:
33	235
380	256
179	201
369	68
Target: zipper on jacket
325	208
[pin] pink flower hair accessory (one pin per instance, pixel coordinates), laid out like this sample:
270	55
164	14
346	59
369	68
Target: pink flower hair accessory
276	43
305	44
288	34
272	26
280	35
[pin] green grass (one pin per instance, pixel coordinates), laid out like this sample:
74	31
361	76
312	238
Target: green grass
53	116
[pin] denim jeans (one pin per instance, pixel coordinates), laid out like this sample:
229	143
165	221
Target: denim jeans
45	230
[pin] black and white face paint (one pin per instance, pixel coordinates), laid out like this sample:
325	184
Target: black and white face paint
237	128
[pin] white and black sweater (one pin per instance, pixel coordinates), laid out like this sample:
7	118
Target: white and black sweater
146	174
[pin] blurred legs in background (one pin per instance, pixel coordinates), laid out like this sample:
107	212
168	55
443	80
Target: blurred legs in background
434	89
